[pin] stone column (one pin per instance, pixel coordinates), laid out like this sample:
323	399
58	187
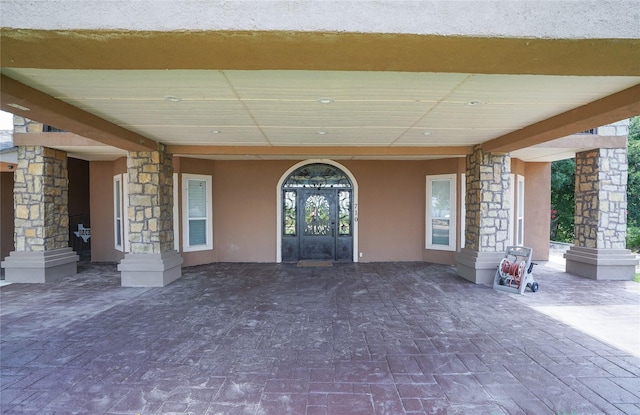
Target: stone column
41	224
600	218
488	177
152	261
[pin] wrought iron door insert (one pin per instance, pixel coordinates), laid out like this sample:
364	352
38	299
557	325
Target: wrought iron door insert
317	214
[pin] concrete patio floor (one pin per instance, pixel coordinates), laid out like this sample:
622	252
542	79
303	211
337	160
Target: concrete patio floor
385	338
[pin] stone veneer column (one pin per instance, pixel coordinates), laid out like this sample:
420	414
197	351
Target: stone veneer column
41	227
488	178
152	261
600	218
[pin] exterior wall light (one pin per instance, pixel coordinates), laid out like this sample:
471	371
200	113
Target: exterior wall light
18	106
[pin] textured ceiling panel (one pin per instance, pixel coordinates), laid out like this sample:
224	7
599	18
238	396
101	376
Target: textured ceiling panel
316	108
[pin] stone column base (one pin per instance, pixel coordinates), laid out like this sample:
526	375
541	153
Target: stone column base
40	266
150	270
601	264
478	267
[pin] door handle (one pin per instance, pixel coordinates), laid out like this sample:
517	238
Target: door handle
333	229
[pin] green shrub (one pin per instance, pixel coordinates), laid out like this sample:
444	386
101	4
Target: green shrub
633	238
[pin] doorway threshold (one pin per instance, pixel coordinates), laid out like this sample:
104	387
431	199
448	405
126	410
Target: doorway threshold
315	263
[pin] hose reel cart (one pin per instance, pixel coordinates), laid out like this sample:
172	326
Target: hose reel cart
514	273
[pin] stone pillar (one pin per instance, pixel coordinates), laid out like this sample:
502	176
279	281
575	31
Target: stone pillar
152	261
41	224
600	218
488	178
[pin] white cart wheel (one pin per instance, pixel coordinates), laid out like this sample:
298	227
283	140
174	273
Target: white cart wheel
504	268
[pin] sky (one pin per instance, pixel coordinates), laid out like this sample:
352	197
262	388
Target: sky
6	123
6	120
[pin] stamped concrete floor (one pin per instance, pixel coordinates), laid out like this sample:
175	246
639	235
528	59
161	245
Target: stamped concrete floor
386	338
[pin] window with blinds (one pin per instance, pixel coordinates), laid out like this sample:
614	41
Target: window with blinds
197	229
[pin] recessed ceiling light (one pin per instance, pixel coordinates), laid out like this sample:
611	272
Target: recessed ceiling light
472	103
215	131
321	132
18	106
325	100
426	133
172	98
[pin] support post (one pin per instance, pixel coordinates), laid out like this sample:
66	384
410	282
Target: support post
152	261
41	224
488	178
601	217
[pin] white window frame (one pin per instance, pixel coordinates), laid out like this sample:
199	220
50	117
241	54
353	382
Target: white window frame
186	247
121	186
463	209
512	209
176	219
117	220
452	219
520	210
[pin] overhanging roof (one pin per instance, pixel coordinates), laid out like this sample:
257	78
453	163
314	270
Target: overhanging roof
293	93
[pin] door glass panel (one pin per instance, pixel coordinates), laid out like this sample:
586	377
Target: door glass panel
317	216
344	219
441	198
197	232
118	203
118	232
197	194
118	215
440	231
290	213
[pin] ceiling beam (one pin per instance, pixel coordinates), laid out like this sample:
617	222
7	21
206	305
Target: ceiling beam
318	150
57	139
22	100
616	107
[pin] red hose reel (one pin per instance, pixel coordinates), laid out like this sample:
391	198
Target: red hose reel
514	274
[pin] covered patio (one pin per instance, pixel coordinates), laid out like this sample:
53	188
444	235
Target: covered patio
443	117
356	338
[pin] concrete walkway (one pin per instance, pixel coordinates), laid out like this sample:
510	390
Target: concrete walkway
388	338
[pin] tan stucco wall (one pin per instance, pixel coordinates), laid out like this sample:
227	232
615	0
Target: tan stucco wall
101	200
6	214
537	217
391	208
245	210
